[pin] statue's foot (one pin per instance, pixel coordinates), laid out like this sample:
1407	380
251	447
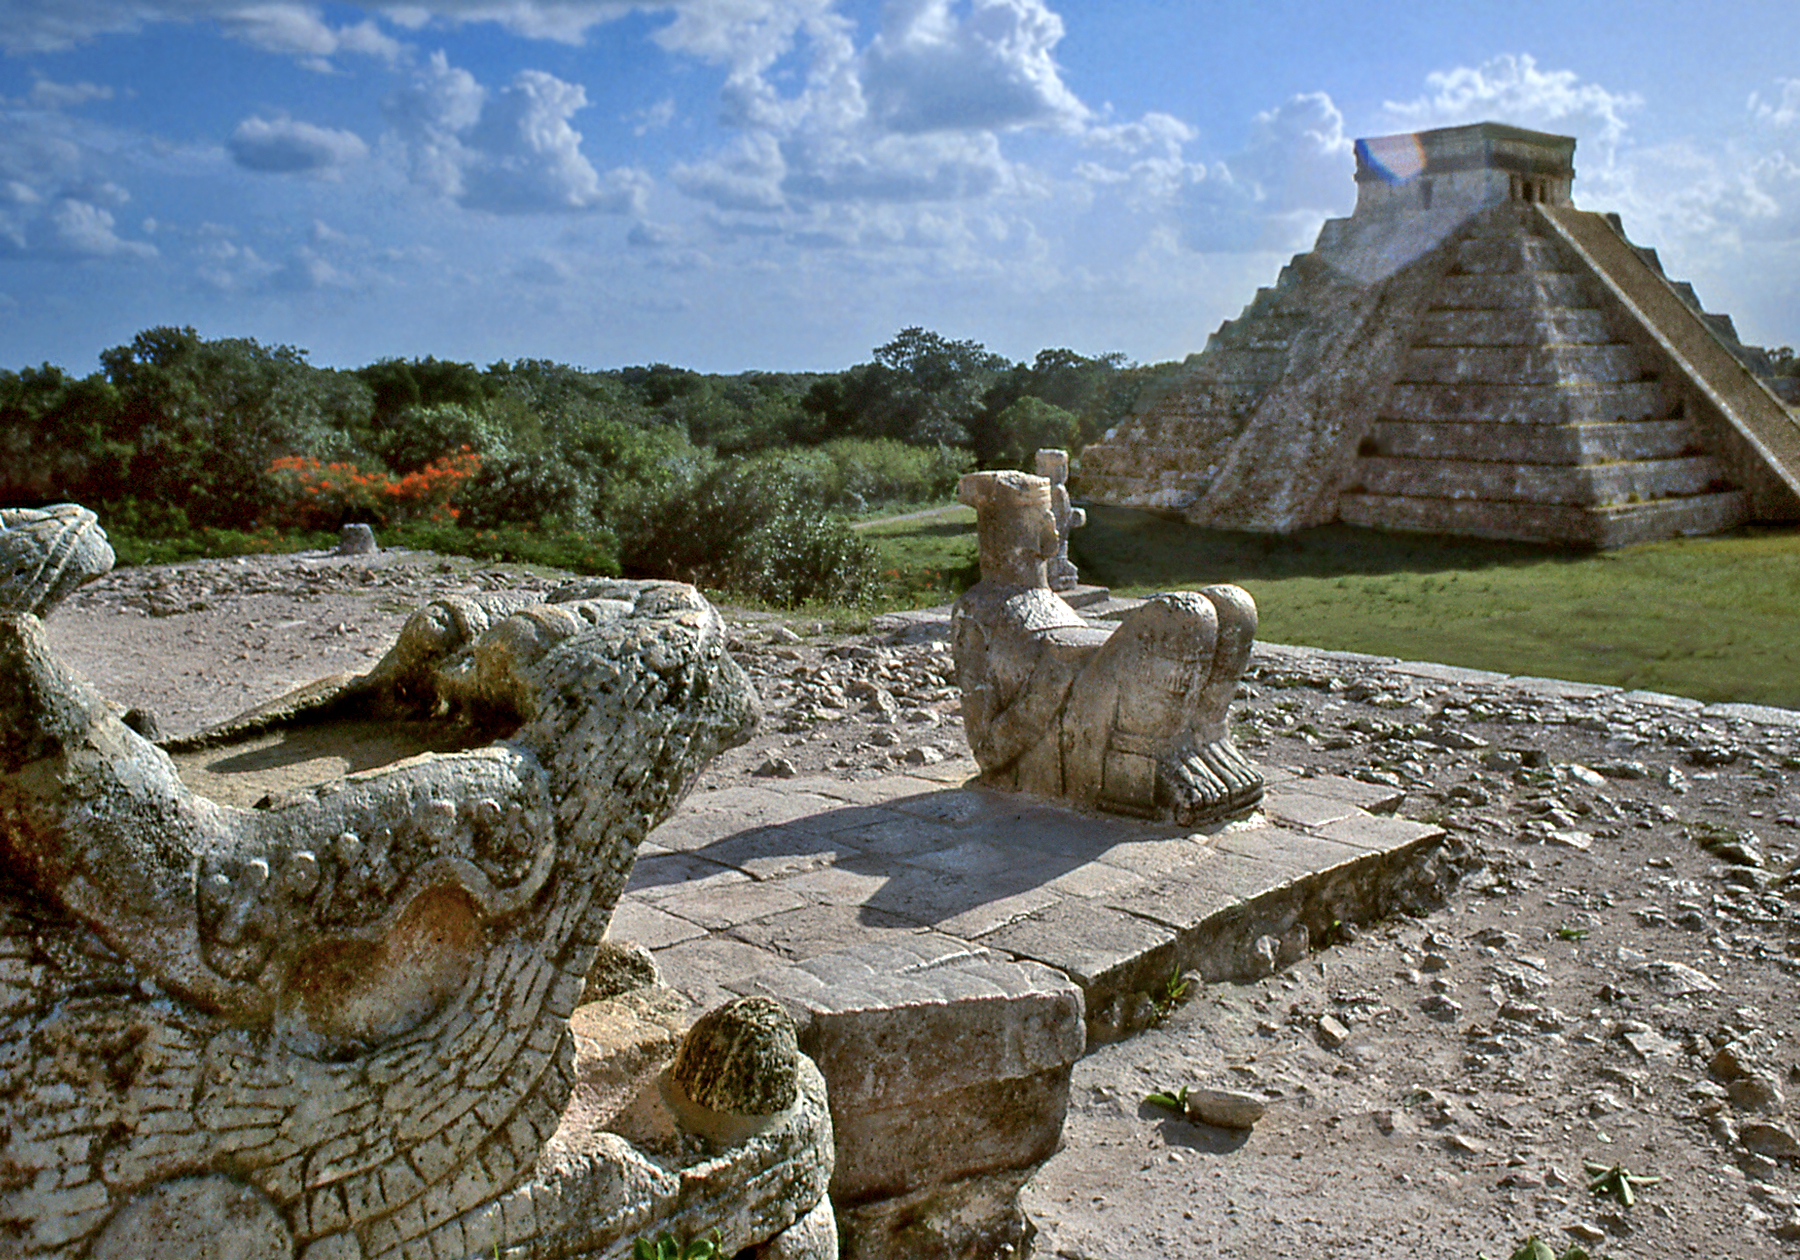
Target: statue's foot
1209	783
1244	782
1191	792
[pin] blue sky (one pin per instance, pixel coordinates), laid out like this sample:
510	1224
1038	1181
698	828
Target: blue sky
784	184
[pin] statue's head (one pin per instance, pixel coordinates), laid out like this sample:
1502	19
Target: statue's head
1053	462
1015	524
47	552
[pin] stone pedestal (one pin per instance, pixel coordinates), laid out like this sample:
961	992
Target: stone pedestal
948	1071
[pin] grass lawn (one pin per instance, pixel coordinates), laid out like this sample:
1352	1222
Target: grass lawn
1712	618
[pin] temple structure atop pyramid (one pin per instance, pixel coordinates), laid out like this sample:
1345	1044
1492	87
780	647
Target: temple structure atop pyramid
1467	353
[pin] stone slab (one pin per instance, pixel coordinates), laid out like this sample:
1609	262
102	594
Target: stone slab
817	928
1559	688
1662	700
1099	947
1457	674
742	903
1376	798
1184	901
642	923
1374	834
891	1023
1761	714
1304	809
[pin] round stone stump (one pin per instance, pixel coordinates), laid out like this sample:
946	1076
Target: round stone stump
357	540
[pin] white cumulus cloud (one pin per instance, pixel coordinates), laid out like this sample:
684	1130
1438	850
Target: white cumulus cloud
933	68
285	146
53	95
83	230
1512	89
508	151
298	30
1781	111
1295	171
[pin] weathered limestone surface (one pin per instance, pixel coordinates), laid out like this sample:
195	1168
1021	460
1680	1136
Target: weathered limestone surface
948	1070
1467	353
337	1025
1132	719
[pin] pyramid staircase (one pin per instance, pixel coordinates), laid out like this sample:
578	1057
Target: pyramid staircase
1525	408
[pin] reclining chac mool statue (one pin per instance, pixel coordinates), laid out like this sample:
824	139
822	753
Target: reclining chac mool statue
1132	719
336	1026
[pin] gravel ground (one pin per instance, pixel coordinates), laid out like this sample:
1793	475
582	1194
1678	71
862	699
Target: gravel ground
1613	983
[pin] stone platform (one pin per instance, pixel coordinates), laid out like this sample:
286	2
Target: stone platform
757	878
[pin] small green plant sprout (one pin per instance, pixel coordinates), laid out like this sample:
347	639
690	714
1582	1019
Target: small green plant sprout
1176	1102
1569	932
705	1247
1535	1248
1173	990
1615	1181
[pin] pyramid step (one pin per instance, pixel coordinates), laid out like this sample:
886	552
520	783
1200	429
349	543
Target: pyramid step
1527	404
1264	332
1581	485
1231	363
1516	252
1521	365
1722	327
1515	289
1615	526
1513	327
1533	443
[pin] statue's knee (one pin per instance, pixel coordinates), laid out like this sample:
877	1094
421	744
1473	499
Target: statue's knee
1235	611
1179	623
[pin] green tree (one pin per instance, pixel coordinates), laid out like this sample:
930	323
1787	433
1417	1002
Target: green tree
60	438
921	388
1027	426
207	418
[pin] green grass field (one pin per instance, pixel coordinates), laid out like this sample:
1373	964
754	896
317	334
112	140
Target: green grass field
1712	618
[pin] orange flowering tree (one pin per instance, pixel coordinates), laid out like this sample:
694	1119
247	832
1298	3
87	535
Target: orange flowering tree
311	494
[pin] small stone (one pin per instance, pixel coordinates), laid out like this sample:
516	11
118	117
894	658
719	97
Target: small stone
1754	1092
144	722
924	755
782	635
1457	1144
1581	774
1226	1108
1730	1062
1651	1045
619	967
1772	1140
1674	979
1624	770
741	1058
775	768
1569	838
1332	1032
1442	1007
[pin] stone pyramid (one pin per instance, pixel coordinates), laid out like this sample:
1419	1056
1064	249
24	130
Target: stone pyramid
1467	353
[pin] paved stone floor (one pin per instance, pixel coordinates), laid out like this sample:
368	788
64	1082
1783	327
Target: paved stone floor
749	878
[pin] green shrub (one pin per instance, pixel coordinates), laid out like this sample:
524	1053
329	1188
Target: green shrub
755	529
871	471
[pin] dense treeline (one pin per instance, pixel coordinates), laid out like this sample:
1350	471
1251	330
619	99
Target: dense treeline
740	482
